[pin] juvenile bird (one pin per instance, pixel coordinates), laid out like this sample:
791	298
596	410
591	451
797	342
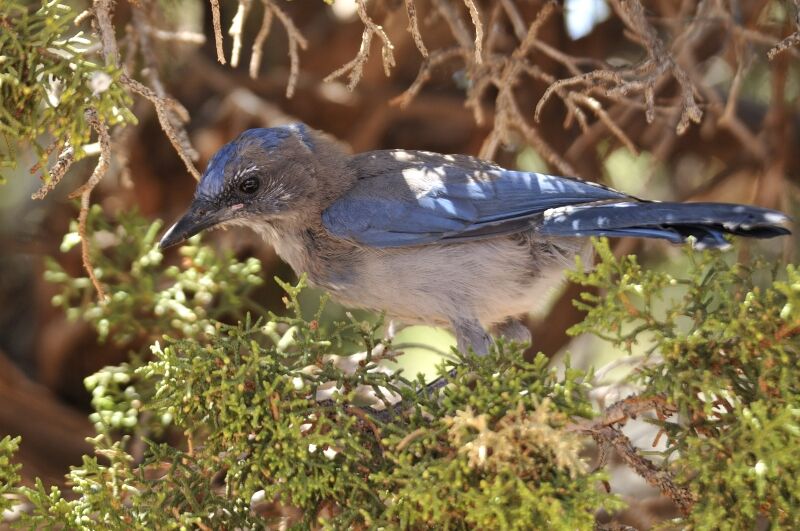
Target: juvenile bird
448	240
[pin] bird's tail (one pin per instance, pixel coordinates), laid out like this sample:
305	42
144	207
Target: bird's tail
706	222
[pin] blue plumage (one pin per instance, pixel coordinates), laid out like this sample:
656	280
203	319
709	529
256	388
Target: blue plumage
266	139
423	204
706	222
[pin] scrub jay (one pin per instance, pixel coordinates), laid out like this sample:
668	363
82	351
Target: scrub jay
448	240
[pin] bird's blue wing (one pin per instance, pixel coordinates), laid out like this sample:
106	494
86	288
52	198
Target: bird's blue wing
435	197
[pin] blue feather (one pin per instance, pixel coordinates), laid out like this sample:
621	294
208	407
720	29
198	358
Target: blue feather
421	201
425	203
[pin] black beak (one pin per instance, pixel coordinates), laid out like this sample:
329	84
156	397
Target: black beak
199	217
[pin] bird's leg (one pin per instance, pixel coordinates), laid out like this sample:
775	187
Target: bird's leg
513	330
471	334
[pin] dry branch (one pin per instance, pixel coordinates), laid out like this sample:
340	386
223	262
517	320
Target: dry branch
434	60
261	37
642	78
235	30
166	109
85	192
453	19
355	67
171	115
790	41
57	171
217	22
413	27
102	15
605	432
476	21
296	40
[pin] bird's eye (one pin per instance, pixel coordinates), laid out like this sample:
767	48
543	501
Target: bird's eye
249	185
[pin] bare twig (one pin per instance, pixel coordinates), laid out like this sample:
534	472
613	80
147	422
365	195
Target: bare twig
641	78
85	191
476	21
102	14
217	22
607	435
790	41
189	37
425	70
296	40
413	27
165	108
655	476
515	18
55	144
456	23
171	114
261	37
57	171
355	67
235	30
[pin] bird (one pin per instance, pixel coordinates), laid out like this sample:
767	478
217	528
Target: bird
426	238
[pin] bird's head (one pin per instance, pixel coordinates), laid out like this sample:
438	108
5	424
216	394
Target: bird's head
262	176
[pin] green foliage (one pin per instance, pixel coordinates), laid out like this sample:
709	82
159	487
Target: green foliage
723	350
147	299
9	471
47	81
252	439
269	420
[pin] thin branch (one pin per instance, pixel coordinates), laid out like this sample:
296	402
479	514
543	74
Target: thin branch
57	171
605	432
456	23
85	191
515	18
235	30
296	40
641	78
102	14
188	37
655	476
171	114
425	70
163	107
261	37
476	21
217	22
413	27
790	41
355	67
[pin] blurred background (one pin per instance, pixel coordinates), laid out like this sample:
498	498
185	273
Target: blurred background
723	125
